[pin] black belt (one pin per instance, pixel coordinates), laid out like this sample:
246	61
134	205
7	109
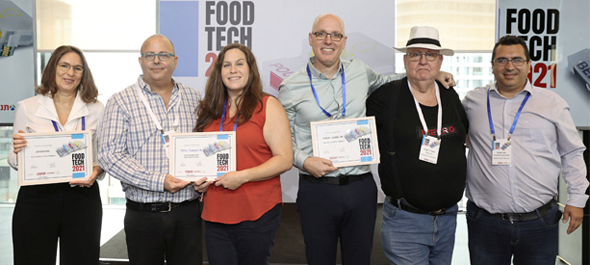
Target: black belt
409	208
161	207
341	180
522	217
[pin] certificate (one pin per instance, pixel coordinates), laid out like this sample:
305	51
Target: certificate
349	142
202	154
55	157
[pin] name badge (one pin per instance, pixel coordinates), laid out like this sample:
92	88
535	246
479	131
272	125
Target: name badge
429	149
166	141
501	152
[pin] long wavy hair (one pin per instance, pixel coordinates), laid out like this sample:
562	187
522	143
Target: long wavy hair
87	88
211	107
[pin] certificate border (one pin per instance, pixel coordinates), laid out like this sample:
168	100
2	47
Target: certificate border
372	123
232	139
88	153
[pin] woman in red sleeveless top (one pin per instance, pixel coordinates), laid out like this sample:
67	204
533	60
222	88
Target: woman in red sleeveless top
242	208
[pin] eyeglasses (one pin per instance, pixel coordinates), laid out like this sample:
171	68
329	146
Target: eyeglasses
323	35
78	69
515	61
416	56
163	56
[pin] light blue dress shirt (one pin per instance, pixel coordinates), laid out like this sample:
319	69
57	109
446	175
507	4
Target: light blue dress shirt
297	98
545	142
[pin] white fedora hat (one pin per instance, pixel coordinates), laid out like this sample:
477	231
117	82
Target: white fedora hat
425	37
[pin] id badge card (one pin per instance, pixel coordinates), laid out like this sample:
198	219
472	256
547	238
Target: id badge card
501	152
429	149
166	141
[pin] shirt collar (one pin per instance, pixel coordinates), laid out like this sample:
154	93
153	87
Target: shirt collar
527	88
315	72
143	85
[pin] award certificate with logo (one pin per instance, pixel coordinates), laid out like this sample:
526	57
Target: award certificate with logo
55	157
348	142
202	154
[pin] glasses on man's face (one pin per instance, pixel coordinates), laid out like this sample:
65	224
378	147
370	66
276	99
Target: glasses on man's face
78	69
322	35
416	56
515	61
163	56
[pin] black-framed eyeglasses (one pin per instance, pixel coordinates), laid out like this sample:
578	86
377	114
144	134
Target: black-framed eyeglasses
78	69
515	61
163	56
322	35
416	56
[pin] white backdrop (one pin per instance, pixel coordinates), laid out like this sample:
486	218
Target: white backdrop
277	33
17	72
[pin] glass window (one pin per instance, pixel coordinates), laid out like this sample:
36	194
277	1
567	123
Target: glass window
8	176
477	71
95	25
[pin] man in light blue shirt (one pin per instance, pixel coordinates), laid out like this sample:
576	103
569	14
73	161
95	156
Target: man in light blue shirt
521	138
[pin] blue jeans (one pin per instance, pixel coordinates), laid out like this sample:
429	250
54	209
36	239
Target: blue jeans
418	239
493	241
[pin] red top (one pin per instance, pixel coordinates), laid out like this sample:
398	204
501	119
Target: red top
251	200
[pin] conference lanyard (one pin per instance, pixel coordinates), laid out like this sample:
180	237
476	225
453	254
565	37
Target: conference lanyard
83	124
515	118
153	116
223	118
315	94
421	115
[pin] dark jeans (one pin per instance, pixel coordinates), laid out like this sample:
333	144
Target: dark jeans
174	236
245	243
332	212
44	213
493	241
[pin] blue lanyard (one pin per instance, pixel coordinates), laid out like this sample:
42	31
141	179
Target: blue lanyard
315	94
515	118
223	118
83	124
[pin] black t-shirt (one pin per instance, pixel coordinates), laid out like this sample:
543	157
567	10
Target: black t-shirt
424	185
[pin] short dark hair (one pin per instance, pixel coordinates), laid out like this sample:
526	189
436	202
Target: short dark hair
511	40
87	88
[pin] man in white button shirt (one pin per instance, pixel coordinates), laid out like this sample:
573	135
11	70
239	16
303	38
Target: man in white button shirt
521	138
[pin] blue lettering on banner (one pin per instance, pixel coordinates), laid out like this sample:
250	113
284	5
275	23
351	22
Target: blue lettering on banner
77	136
222	137
78	175
179	21
362	122
366	158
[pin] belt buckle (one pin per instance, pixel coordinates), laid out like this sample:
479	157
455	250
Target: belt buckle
506	217
438	212
169	208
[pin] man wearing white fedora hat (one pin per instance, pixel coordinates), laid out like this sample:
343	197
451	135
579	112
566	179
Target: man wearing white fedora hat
421	130
335	204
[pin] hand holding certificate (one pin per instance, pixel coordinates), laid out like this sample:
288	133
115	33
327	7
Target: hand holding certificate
203	154
348	142
55	157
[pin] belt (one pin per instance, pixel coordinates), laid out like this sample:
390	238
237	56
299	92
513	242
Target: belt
341	180
158	207
522	217
409	208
